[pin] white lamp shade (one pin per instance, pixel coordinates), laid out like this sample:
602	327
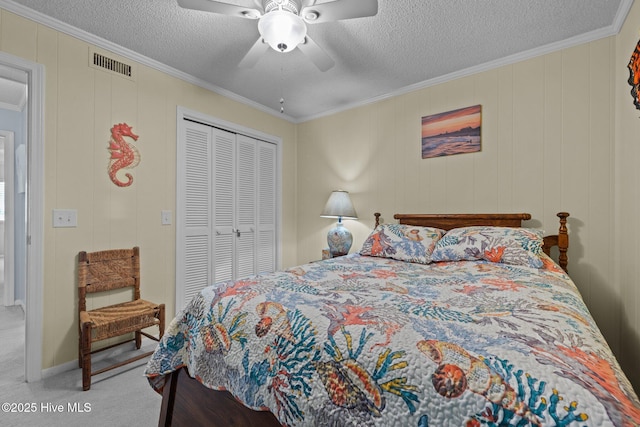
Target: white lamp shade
282	30
339	206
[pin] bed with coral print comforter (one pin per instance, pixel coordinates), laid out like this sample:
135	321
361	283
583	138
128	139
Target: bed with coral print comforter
362	340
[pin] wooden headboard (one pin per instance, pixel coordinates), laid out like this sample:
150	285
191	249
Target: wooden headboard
449	221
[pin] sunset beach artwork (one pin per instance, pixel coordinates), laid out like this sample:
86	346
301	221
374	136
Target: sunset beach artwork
453	132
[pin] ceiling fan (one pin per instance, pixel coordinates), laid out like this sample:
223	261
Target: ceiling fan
282	23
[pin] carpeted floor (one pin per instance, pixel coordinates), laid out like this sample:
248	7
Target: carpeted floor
12	348
12	339
121	397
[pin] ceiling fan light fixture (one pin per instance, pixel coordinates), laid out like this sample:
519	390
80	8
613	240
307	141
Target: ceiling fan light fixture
282	30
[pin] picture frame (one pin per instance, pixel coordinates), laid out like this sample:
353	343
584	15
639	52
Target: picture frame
452	132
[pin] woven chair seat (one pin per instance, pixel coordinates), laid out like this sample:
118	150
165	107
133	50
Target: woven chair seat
114	320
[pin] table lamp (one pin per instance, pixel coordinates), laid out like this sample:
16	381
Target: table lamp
339	206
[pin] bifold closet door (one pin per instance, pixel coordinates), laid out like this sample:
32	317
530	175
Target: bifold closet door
224	200
246	206
195	220
235	205
227	208
266	212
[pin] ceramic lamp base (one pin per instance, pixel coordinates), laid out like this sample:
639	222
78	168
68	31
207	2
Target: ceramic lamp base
339	240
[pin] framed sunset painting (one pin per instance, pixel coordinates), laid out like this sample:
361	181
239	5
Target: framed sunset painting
453	132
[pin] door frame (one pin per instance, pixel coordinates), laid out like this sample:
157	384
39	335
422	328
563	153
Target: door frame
9	258
35	212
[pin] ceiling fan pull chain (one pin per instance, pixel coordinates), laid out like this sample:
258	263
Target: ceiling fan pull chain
281	86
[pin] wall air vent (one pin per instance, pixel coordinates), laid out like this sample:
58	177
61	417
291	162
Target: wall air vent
105	63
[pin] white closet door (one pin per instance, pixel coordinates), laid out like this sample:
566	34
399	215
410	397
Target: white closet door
246	206
266	198
194	204
224	204
226	208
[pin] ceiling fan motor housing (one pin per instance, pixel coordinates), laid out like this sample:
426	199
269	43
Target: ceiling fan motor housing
288	5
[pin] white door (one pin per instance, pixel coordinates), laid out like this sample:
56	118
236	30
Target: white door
224	205
195	225
226	217
246	205
266	208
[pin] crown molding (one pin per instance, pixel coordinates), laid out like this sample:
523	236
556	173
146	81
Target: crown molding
614	29
70	30
611	30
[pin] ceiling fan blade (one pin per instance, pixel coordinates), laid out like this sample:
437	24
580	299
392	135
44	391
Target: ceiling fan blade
256	51
339	9
317	55
221	8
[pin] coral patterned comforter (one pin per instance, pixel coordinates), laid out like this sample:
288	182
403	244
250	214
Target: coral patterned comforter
362	340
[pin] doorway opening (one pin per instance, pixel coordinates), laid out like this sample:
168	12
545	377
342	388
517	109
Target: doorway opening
12	315
31	237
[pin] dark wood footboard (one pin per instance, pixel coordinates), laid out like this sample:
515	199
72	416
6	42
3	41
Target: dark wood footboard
186	402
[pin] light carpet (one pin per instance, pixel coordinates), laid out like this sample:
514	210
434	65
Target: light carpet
121	397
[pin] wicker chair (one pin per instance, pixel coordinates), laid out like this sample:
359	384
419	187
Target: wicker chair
105	271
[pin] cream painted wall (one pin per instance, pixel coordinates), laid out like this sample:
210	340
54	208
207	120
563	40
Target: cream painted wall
82	104
548	145
627	195
559	133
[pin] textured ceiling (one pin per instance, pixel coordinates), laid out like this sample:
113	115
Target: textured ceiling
408	44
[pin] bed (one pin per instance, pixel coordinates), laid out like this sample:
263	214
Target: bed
439	320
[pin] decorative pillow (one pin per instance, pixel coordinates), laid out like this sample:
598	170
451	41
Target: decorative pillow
402	242
517	246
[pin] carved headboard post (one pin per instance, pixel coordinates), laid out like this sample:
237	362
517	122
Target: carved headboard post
563	240
377	215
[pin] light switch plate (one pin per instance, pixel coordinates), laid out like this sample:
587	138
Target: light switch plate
165	217
65	218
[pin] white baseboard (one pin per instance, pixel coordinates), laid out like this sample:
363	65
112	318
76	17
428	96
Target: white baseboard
59	369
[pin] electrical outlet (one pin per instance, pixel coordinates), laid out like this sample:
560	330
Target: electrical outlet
65	218
165	217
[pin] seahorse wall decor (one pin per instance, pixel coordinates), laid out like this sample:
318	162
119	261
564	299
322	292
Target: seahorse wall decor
634	75
123	154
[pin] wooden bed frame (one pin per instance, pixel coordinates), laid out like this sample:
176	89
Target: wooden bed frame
186	402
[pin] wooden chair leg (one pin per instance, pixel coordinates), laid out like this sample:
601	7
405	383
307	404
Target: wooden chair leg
80	348
138	340
161	318
85	349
